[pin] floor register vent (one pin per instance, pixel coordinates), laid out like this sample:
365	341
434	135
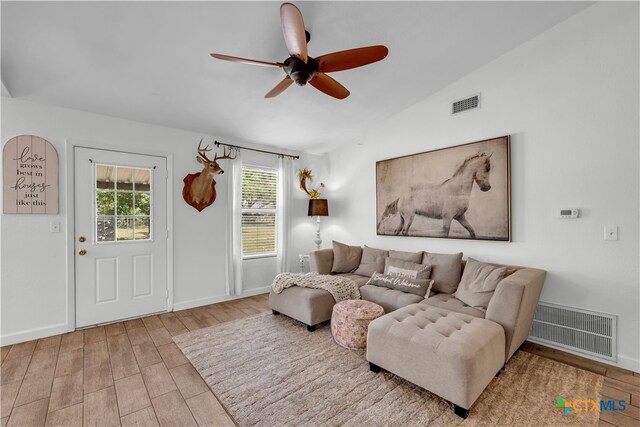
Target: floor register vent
574	329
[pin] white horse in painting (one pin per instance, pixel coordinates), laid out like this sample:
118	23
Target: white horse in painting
447	201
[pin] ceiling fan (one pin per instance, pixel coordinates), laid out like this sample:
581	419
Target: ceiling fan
303	69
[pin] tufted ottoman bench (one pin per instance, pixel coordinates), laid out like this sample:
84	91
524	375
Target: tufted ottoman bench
451	354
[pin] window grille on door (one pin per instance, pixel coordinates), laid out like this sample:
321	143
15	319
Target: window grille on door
123	203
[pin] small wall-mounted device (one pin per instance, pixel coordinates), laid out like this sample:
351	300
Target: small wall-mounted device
610	232
569	213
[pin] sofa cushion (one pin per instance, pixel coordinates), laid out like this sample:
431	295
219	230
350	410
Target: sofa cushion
321	260
401	283
446	270
389	299
479	282
399	267
372	261
406	256
451	303
346	259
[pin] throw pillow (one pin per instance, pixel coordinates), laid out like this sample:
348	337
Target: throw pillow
406	256
479	282
346	259
407	269
404	284
372	261
446	270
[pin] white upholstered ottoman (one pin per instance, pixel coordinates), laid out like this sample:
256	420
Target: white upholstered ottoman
451	354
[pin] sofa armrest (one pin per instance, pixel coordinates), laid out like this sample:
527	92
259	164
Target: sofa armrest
321	261
514	304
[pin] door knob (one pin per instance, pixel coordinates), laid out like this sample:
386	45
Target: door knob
81	239
82	252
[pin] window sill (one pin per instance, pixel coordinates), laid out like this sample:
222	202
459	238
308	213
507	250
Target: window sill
258	256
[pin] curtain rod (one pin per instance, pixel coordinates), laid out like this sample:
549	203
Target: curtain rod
217	144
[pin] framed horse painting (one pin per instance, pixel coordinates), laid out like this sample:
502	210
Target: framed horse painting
460	192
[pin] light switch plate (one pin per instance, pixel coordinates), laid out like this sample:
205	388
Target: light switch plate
54	227
610	232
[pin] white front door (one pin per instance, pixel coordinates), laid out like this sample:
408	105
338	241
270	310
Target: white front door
120	235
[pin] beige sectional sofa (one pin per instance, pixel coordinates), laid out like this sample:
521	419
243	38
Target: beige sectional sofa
439	343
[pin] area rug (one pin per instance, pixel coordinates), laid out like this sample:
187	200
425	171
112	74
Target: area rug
269	371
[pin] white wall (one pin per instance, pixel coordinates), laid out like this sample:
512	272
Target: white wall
34	276
569	99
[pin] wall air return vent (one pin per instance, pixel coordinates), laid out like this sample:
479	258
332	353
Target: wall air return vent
471	103
576	330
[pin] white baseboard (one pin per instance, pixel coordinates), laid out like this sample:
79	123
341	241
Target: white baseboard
628	363
623	362
34	334
256	291
219	298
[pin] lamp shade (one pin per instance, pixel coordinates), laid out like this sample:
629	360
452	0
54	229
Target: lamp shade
318	207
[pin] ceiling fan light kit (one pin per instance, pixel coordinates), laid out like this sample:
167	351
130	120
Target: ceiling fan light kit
301	68
300	72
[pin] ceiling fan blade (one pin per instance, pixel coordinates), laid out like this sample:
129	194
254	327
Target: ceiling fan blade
293	30
352	58
280	87
326	84
246	61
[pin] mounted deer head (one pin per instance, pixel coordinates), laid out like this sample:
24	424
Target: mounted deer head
199	190
211	166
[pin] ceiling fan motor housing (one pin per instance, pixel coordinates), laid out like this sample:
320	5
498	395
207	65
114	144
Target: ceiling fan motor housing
300	72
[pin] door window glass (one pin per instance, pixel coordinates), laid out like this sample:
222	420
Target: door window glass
123	203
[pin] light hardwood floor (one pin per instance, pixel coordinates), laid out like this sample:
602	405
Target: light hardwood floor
131	373
128	373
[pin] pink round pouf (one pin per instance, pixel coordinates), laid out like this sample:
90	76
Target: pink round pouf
350	321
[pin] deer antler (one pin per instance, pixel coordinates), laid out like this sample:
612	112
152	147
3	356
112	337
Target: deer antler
202	152
226	155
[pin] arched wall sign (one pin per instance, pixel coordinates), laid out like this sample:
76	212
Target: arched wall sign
30	176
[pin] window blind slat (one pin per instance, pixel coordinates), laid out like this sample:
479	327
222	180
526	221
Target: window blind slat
259	199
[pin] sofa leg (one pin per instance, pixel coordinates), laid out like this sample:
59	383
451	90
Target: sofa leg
275	313
460	411
311	328
374	368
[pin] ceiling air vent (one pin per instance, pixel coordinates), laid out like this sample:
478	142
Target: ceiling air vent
471	103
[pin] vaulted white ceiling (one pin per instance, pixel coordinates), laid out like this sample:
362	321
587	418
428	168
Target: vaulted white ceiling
149	61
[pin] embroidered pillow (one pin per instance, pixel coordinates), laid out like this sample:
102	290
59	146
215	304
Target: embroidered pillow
419	287
399	267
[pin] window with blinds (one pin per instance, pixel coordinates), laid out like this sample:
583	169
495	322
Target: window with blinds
259	199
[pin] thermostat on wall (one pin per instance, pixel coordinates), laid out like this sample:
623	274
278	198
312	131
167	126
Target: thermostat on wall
569	213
